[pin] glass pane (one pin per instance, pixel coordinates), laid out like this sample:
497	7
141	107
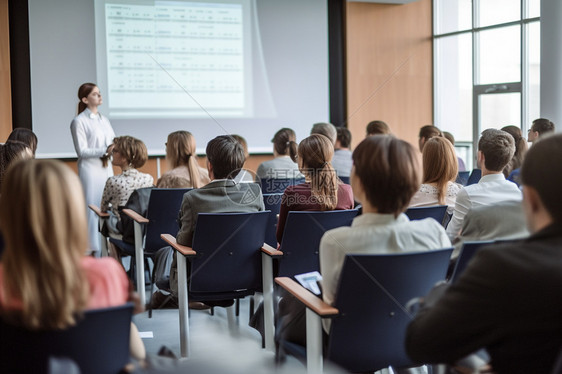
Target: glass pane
499	54
453	15
534	72
534	8
454	86
499	110
492	12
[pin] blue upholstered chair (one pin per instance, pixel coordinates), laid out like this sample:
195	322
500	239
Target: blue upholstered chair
224	261
474	177
98	343
462	177
436	212
468	251
369	316
278	185
272	202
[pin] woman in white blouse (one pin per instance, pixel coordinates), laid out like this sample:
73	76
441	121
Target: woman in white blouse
440	169
128	154
92	135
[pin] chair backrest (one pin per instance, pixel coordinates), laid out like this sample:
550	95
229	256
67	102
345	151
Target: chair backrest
228	261
474	177
163	211
272	202
301	238
462	177
99	343
436	212
369	332
344	179
278	185
467	252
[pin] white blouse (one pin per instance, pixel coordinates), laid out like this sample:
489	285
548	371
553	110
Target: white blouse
427	196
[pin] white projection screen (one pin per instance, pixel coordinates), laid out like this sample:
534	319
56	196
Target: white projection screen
211	67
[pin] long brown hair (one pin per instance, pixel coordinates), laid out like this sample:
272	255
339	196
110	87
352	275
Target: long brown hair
84	90
315	153
43	220
180	151
440	165
285	143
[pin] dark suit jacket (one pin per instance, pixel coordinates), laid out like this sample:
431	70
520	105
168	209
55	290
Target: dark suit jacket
219	196
508	301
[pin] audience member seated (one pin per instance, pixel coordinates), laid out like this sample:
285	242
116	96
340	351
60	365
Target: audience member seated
225	158
25	136
245	176
440	169
11	152
540	126
45	280
427	132
284	165
181	158
507	300
342	153
322	189
495	150
377	127
128	154
326	129
520	149
451	138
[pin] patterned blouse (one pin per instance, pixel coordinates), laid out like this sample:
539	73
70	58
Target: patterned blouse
427	196
119	187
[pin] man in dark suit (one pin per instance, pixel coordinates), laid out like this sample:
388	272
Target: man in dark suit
225	158
508	300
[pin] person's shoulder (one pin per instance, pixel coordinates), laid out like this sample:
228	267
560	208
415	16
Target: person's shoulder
101	267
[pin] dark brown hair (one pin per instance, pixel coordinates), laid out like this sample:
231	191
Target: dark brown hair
377	127
440	165
315	153
498	148
429	131
542	126
226	156
132	149
83	92
521	148
543	171
344	136
285	143
10	152
243	143
388	170
25	136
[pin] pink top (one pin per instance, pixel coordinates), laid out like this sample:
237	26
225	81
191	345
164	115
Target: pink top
109	285
299	197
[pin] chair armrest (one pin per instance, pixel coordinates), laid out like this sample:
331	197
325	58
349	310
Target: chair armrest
96	209
183	249
270	251
312	302
135	216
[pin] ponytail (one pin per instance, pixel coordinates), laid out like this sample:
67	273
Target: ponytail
324	186
194	174
292	146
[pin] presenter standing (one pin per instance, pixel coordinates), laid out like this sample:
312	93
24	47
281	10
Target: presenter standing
92	135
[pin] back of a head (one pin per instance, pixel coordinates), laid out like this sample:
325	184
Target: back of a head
344	137
377	127
243	143
43	220
498	147
440	163
326	129
521	148
226	156
10	152
133	149
429	131
285	143
388	169
180	147
25	136
542	171
543	126
447	135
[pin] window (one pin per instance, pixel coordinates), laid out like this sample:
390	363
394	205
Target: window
486	67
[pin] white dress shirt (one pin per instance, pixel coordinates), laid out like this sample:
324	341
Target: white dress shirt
373	233
342	162
491	189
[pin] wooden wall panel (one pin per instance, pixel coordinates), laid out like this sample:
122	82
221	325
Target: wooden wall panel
5	86
389	67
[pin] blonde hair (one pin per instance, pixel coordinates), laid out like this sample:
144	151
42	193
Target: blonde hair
315	153
43	220
440	165
132	149
180	151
